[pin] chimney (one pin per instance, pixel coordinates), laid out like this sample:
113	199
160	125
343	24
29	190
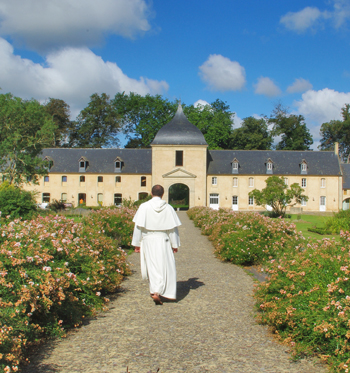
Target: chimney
336	148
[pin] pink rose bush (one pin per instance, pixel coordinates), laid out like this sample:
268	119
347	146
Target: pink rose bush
245	238
53	273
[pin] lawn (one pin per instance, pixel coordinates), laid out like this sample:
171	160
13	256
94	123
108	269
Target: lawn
303	222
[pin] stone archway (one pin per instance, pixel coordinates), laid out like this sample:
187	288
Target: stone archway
346	204
179	196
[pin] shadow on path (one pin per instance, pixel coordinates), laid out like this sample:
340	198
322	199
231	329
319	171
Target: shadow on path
184	287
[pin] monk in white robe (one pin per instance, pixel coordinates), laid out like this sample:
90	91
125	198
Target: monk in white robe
156	237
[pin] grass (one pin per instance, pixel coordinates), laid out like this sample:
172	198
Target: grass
303	222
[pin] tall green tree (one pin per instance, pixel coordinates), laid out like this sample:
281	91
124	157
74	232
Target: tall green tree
337	131
25	129
292	128
277	195
252	135
142	116
98	125
60	113
215	122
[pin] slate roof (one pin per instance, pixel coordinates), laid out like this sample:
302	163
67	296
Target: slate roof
179	131
253	162
101	161
346	175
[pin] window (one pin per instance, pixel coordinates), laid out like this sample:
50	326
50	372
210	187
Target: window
46	197
100	199
303	167
117	166
82	179
234	166
285	179
303	183
82	198
46	179
323	201
251	201
143	195
118	199
323	182
251	182
235	181
214	180
118	179
214	199
64	179
235	200
64	197
83	164
179	155
100	179
303	202
143	181
269	167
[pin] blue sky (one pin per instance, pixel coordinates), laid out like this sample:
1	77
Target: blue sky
251	54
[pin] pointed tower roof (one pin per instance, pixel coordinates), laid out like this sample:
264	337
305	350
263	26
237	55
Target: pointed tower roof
179	131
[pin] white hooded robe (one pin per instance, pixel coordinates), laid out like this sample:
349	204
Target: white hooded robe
156	233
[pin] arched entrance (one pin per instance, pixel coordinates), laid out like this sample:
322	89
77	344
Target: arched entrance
346	204
179	195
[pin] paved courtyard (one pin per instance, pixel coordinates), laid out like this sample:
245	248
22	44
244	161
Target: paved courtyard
211	328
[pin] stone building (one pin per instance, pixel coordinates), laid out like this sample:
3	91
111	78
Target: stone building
179	155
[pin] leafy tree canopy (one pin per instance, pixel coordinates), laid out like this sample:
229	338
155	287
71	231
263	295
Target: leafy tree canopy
60	113
98	125
25	129
337	131
277	195
252	135
292	128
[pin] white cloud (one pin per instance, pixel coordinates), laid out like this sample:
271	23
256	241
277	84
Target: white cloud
265	86
312	17
72	74
322	106
237	121
43	25
222	74
299	85
302	20
201	103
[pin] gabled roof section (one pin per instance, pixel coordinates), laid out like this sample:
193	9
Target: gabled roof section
179	131
285	162
179	172
118	159
235	160
83	159
136	161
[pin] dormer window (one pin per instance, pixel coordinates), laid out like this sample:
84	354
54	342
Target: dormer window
269	167
118	162
83	164
49	161
303	167
234	164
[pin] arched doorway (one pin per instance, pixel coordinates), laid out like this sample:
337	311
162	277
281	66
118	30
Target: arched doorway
179	195
346	204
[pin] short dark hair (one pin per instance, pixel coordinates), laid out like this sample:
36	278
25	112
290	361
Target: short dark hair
157	191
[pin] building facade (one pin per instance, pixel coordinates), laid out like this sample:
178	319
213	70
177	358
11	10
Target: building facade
179	155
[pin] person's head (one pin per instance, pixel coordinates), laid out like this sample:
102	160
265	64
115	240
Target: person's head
157	191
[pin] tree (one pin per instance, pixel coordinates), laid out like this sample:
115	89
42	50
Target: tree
277	195
26	128
98	125
142	116
292	129
215	122
60	113
337	131
252	135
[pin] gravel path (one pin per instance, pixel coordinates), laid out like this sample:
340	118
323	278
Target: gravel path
211	328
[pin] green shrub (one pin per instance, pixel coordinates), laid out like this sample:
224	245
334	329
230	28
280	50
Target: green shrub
16	202
339	222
